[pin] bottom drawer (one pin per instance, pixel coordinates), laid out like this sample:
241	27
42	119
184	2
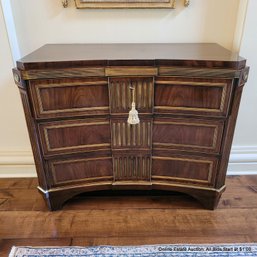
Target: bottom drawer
80	170
183	169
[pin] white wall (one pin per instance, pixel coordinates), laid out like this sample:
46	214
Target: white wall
244	158
246	130
14	142
46	21
13	134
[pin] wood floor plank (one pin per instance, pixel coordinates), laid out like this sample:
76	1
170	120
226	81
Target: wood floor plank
21	199
119	241
2	201
126	219
20	193
239	197
23	205
249	180
34	183
131	222
15	182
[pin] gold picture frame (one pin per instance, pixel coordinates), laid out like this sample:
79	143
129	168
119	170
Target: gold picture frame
120	4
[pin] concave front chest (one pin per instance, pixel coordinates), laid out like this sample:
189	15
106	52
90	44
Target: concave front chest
77	100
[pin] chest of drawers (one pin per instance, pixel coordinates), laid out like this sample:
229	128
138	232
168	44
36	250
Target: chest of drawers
77	99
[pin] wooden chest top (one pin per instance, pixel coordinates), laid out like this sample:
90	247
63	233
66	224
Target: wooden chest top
203	55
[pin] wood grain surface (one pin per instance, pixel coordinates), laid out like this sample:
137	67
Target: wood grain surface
126	218
192	55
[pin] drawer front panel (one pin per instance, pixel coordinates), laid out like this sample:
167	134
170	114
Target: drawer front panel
184	169
75	136
125	135
188	134
87	170
70	97
121	94
192	96
130	167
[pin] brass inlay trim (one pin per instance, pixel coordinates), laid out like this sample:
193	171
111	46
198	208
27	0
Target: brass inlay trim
181	179
185	108
107	183
80	160
131	183
189	83
16	77
54	85
189	186
187	160
79	124
214	141
48	145
222	102
122	71
131	71
181	159
73	84
82	180
197	72
245	76
185	145
62	73
68	187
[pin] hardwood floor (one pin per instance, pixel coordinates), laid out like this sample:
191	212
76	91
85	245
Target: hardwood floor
123	218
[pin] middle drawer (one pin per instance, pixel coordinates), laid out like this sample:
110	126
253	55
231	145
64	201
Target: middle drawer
65	137
196	135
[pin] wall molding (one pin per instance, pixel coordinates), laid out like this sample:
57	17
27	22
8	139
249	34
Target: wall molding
17	164
243	161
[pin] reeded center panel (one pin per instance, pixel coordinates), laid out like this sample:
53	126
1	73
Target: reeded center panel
125	135
135	168
121	94
131	144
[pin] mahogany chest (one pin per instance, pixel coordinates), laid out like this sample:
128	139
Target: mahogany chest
77	99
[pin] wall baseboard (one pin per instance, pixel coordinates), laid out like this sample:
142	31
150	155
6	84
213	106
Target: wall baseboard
17	171
243	161
17	164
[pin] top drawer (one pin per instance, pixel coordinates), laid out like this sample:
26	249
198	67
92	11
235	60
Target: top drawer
69	97
207	97
121	94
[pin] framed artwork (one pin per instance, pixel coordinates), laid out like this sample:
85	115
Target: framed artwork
124	4
114	4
